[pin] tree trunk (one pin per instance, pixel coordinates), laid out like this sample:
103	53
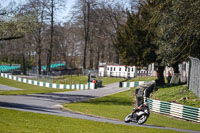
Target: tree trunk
39	62
91	58
39	52
110	53
175	66
161	80
24	64
98	59
49	55
117	58
86	21
84	55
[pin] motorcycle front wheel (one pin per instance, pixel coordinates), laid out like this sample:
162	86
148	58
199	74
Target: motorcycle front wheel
142	119
128	118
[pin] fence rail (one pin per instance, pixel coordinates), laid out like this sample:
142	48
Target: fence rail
173	109
194	76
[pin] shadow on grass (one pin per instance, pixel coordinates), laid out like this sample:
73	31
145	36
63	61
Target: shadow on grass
169	85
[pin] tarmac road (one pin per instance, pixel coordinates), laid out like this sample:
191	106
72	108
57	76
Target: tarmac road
51	104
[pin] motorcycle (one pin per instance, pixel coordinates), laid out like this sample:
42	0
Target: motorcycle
139	115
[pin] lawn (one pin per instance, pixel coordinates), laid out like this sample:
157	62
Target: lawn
27	89
75	79
179	94
32	89
117	106
68	79
25	122
142	79
109	80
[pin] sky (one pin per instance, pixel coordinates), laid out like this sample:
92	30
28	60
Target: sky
62	16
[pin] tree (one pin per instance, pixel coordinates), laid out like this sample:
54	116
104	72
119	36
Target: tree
171	26
10	26
104	20
177	33
39	12
84	7
115	16
15	24
52	7
136	39
49	54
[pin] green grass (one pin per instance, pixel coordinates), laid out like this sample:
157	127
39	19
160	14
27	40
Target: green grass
178	94
109	80
27	89
25	122
74	79
68	79
117	106
142	79
32	89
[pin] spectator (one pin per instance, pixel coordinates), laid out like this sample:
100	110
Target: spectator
169	77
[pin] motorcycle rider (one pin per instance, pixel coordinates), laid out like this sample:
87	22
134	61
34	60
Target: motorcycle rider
141	107
139	114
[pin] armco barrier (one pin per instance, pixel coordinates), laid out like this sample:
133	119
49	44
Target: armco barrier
173	109
167	108
132	84
50	85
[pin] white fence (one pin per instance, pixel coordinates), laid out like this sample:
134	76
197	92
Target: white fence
50	85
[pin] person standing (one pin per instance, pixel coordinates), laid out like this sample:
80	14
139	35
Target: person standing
169	77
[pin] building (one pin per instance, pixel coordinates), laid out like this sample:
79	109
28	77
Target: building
123	71
117	71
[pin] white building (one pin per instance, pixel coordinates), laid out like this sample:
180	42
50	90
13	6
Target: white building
124	71
118	71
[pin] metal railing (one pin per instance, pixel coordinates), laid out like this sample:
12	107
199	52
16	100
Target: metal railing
194	76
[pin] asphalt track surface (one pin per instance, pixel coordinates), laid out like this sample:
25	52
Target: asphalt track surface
51	104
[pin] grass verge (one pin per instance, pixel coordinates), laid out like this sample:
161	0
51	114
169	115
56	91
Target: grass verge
142	79
117	106
74	79
27	89
109	80
32	89
178	94
25	122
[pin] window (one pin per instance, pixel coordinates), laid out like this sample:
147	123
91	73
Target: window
120	69
132	69
125	68
111	69
114	68
108	68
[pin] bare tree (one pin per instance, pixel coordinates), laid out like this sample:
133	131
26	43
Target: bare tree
53	6
49	54
39	12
